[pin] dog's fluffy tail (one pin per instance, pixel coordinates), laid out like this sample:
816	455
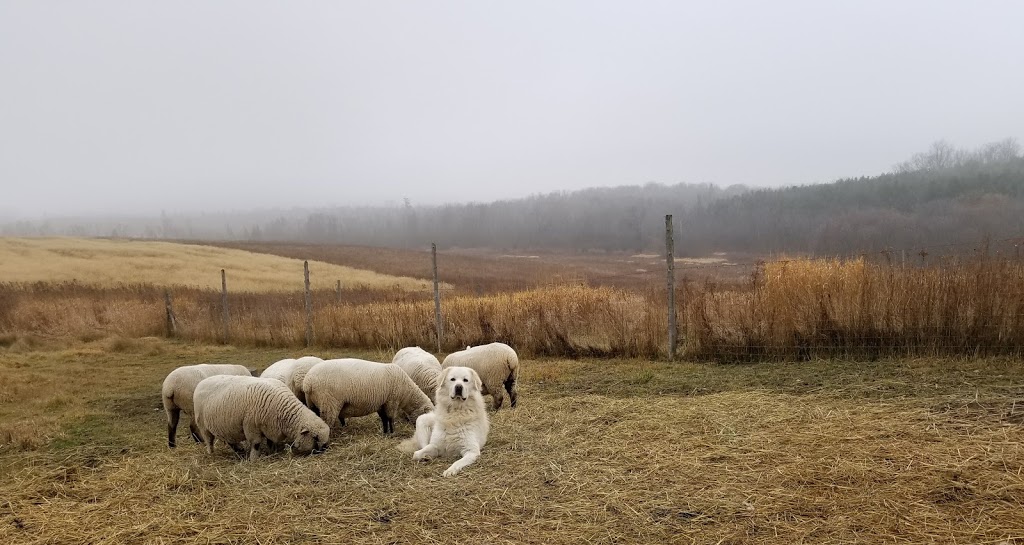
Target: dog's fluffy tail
409	446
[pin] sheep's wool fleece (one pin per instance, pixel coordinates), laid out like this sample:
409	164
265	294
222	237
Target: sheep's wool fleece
181	383
360	386
223	403
494	362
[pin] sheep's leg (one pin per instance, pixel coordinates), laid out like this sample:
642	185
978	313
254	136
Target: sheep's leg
239	450
255	438
513	390
497	396
329	413
208	440
173	414
386	422
341	419
468	457
194	429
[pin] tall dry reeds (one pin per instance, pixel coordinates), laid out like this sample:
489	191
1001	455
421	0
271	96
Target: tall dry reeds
796	309
826	308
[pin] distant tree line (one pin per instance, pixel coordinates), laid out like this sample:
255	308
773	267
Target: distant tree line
943	196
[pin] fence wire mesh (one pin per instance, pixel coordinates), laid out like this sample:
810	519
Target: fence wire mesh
950	300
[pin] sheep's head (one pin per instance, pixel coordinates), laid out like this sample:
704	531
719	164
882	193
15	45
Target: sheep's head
420	407
458	384
312	439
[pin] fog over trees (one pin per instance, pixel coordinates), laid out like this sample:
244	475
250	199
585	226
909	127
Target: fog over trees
945	195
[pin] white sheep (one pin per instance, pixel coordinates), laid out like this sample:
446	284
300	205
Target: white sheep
291	372
421	366
178	389
279	370
348	388
258	412
498	367
299	371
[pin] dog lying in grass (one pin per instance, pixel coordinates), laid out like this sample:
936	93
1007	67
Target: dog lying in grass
458	426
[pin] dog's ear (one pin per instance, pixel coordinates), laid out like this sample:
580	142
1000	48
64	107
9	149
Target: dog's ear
444	378
476	380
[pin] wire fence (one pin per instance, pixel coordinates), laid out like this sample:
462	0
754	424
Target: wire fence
964	299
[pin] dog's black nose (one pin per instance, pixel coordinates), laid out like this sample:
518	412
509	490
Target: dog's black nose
458	389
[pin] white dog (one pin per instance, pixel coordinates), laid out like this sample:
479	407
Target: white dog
457	427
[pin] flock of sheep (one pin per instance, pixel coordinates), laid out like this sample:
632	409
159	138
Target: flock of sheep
296	402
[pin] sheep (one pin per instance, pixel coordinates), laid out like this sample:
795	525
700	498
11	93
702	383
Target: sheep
280	370
421	366
257	412
347	388
299	371
291	372
178	389
498	366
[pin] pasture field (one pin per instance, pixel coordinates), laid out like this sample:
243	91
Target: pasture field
481	271
599	451
789	310
110	263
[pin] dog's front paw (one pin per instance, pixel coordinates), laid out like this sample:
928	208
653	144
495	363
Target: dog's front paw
421	456
450	472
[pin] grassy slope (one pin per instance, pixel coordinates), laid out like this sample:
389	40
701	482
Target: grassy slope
601	451
106	262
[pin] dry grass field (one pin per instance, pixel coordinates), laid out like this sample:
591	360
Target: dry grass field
788	310
599	451
484	272
111	263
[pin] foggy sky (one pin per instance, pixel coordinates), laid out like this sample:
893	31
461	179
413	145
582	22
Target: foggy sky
188	106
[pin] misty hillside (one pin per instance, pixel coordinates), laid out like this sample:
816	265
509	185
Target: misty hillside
943	196
618	218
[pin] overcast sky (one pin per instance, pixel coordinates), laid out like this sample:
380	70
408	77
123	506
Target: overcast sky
187	106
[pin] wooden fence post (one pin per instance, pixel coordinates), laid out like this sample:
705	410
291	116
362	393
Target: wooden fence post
309	305
224	304
337	293
670	262
172	323
437	296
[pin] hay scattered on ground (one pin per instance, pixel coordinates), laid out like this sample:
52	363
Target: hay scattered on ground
733	467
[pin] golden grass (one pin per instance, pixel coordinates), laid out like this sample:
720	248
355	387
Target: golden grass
821	308
580	460
110	262
796	309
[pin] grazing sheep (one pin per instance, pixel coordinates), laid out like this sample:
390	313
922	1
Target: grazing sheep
279	370
257	412
421	366
291	372
178	389
498	366
299	371
347	388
